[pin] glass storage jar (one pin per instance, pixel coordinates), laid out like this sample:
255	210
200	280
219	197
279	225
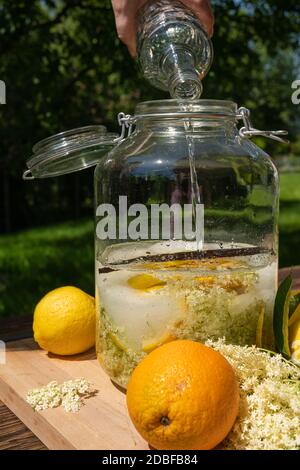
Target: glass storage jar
186	234
186	213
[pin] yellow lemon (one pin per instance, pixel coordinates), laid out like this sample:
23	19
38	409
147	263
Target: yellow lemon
295	316
294	339
295	348
64	321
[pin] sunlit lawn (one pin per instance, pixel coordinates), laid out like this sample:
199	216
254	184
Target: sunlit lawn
38	260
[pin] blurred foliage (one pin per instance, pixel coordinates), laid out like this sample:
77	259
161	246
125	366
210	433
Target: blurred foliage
65	67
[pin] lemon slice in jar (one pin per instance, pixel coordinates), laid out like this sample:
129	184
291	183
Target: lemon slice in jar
153	343
146	282
117	342
259	327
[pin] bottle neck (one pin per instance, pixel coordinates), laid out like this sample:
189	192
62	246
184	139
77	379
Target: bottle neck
178	65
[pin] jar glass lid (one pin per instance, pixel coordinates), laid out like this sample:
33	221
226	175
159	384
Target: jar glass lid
69	151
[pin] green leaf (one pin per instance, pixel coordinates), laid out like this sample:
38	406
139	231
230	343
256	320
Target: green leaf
281	316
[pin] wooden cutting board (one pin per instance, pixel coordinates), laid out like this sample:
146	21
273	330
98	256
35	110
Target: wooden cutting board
102	423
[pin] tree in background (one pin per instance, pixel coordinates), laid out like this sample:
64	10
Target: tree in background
64	67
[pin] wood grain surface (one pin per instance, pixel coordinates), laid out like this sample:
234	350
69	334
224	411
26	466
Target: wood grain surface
103	423
14	435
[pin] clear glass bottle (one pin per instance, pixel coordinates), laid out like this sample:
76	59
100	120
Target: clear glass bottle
174	51
186	211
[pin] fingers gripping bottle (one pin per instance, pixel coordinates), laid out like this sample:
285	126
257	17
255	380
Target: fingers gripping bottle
174	51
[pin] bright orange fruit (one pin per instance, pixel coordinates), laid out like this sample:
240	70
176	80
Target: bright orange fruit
183	395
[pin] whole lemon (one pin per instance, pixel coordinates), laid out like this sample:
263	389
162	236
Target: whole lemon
183	395
64	321
294	338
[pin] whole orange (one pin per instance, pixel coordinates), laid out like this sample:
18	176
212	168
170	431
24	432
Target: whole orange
183	395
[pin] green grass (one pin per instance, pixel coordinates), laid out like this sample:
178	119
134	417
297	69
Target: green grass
35	261
289	219
290	187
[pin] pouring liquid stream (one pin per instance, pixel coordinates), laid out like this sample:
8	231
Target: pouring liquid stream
195	190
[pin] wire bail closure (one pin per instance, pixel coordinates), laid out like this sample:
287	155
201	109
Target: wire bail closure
248	131
27	175
125	122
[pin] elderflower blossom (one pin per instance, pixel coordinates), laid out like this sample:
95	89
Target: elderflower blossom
269	414
69	394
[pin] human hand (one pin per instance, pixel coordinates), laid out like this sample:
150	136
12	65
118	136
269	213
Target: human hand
126	18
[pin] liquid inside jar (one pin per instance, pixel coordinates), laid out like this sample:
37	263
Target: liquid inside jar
175	292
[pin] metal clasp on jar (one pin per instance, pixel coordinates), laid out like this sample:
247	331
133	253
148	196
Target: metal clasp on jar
125	122
248	131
